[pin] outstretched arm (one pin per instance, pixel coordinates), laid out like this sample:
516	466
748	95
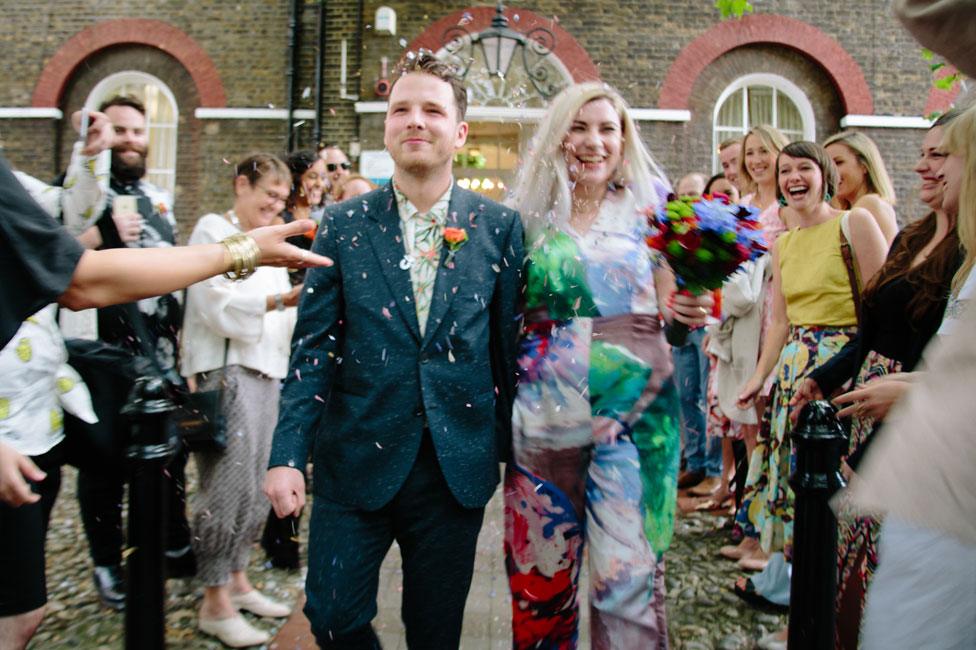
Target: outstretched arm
125	274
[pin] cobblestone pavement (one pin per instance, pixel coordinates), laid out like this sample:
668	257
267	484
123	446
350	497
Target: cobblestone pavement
702	610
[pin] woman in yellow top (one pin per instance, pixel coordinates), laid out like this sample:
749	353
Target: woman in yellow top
812	317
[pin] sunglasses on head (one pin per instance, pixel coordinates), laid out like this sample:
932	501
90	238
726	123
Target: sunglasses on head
334	166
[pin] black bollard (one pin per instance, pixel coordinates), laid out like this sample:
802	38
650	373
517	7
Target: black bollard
820	441
149	450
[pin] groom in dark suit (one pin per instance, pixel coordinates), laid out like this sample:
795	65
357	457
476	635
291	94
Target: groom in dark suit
402	378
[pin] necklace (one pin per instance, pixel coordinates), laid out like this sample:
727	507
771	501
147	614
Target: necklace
232	217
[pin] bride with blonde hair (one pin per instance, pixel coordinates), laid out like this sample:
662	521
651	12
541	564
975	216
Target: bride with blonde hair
595	420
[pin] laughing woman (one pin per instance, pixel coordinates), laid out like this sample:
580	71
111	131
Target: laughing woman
813	316
595	420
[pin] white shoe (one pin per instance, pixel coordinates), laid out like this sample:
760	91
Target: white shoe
234	632
257	603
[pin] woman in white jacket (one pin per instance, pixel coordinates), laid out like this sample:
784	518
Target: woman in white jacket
237	334
733	347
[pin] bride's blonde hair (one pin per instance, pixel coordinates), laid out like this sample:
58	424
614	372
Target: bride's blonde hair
543	190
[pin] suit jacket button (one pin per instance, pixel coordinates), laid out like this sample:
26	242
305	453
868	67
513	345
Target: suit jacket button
425	359
419	413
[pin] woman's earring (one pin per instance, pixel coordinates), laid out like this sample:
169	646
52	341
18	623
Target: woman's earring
827	197
782	201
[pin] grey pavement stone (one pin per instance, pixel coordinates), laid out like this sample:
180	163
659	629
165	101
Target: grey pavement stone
702	610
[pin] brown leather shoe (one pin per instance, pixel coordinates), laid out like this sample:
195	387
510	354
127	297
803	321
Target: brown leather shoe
688	478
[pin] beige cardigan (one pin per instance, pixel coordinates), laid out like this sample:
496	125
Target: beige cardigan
923	467
735	341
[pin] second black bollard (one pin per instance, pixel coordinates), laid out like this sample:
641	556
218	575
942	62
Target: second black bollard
149	450
820	441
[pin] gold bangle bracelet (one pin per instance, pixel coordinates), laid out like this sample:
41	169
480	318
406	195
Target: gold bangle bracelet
244	254
237	258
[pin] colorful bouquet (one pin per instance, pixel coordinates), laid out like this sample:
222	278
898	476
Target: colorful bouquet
704	240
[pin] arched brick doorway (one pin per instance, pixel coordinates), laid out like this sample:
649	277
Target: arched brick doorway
501	131
475	19
131	31
768	29
147	46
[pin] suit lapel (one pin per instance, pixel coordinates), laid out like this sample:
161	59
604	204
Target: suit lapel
386	239
449	275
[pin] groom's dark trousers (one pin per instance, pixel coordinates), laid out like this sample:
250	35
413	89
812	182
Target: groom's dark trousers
406	430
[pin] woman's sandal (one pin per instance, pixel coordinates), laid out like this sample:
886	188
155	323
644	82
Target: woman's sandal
738	551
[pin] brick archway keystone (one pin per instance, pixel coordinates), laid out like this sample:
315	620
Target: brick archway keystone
843	70
130	31
476	19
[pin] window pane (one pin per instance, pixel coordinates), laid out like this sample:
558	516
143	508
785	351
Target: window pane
789	115
730	115
760	105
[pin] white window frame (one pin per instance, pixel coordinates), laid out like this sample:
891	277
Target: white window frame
779	85
110	85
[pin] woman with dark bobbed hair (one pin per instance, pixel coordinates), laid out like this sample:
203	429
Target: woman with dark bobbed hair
813	315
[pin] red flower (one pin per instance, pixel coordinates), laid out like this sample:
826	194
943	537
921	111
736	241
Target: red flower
455	237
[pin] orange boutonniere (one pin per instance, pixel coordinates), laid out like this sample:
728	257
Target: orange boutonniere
454	239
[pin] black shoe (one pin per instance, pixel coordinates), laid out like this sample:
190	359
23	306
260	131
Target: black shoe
180	563
110	584
287	561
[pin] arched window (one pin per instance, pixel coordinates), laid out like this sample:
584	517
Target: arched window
761	99
162	115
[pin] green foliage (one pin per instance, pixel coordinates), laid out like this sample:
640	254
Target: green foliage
947	82
733	8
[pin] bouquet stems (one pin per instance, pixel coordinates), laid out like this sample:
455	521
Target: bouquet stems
677	332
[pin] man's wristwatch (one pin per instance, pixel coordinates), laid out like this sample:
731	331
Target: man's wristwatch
279	302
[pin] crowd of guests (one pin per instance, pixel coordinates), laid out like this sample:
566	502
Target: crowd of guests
604	411
841	307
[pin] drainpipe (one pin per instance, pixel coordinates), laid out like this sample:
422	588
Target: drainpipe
319	62
359	56
291	72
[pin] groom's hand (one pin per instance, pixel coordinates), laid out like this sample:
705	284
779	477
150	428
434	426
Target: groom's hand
285	487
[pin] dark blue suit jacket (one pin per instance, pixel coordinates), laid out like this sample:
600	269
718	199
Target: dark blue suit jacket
363	381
